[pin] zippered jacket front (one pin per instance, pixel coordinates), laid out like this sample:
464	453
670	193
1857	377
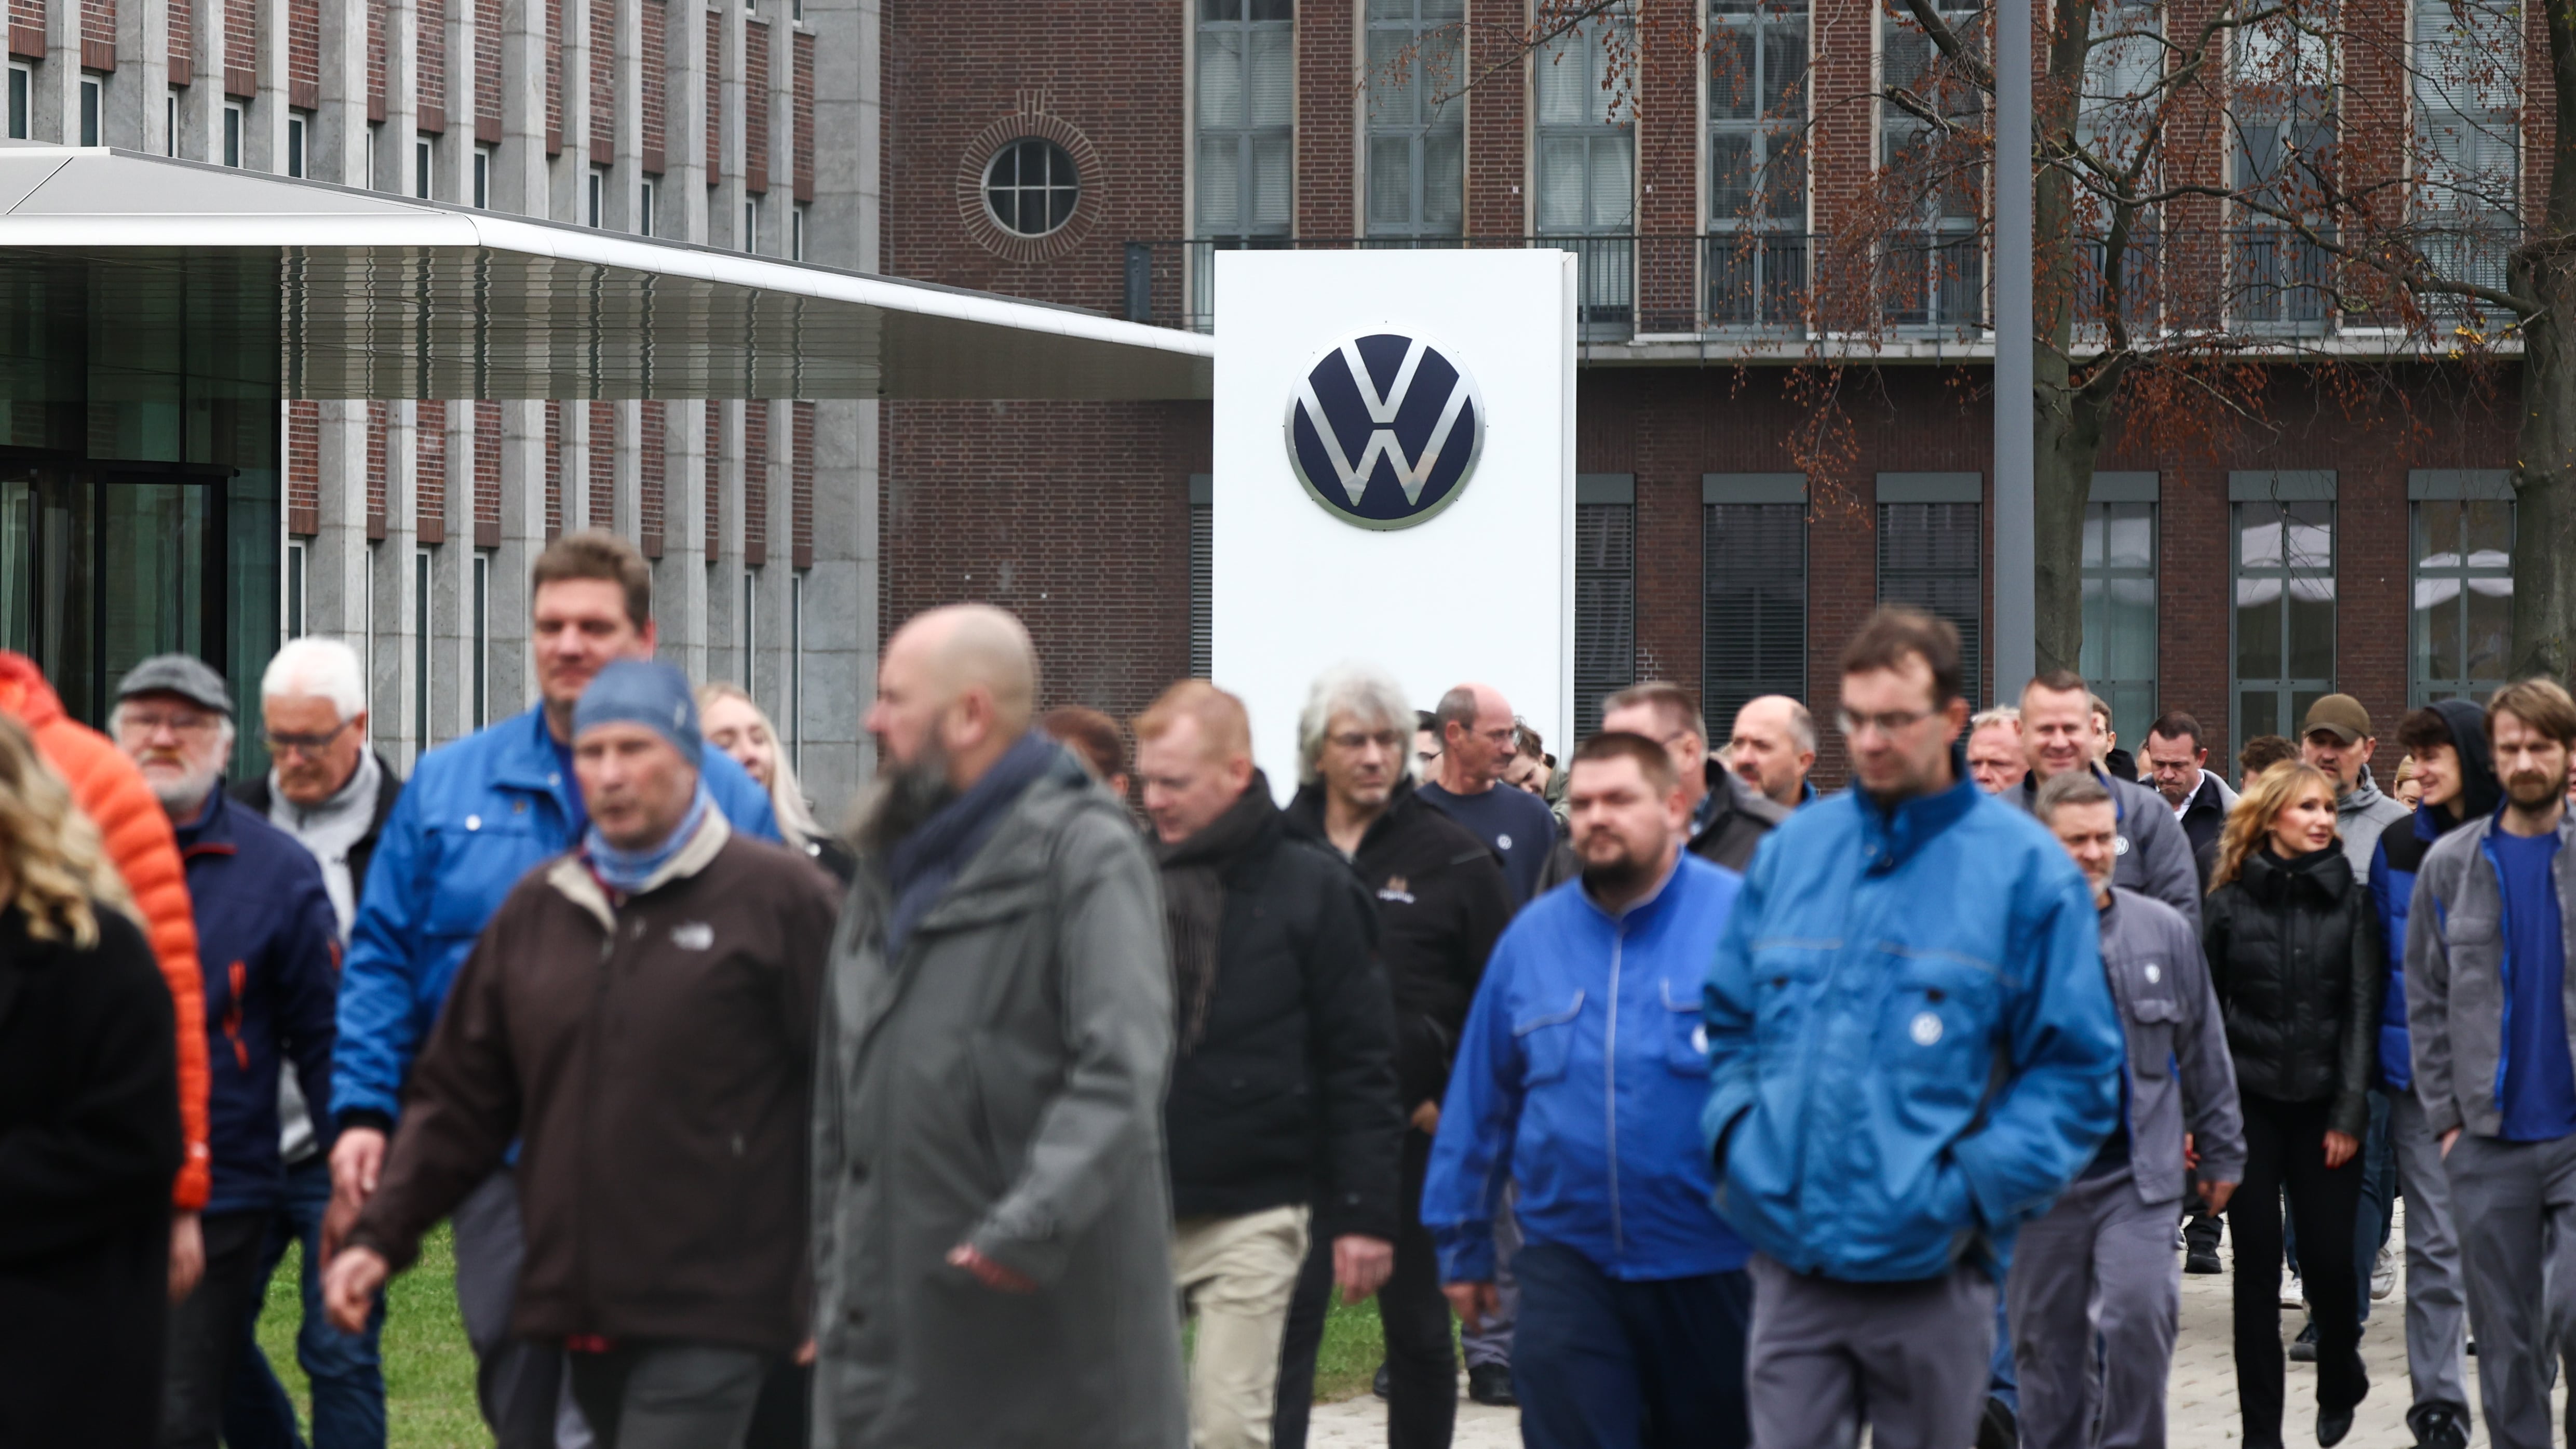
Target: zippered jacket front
1579	1080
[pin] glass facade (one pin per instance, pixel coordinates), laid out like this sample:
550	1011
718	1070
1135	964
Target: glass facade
2119	578
2284	568
2461	620
139	479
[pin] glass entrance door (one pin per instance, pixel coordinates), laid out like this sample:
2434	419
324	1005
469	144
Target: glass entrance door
101	570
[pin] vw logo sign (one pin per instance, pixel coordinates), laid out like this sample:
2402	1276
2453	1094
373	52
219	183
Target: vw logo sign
1384	430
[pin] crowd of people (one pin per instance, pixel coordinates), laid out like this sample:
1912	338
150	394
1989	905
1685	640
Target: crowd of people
1709	1109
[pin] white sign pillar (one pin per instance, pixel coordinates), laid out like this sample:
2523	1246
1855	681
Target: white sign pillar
1394	479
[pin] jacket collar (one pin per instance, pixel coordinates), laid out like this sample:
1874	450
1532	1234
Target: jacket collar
1889	838
572	877
2205	796
527	759
1303	816
211	833
2270	879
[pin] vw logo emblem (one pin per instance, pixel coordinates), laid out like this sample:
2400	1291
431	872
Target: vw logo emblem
1384	430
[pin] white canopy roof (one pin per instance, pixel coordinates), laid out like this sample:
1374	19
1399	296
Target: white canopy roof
377	296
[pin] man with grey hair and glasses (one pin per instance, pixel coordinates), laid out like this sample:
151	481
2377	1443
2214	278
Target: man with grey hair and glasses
327	787
1441	902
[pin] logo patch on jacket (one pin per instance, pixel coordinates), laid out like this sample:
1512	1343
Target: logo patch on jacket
693	935
1395	889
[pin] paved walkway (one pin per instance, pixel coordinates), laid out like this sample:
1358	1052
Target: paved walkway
2202	1396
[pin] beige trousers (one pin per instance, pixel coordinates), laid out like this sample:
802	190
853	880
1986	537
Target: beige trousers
1235	1275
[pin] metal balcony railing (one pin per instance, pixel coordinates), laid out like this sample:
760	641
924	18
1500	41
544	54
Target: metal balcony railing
2277	281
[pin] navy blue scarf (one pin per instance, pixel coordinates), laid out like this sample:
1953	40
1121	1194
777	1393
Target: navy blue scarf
921	866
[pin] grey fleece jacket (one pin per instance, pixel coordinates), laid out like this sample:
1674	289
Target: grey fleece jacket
2181	1077
2455	976
2360	814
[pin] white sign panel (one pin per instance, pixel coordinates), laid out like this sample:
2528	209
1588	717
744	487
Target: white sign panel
1394	479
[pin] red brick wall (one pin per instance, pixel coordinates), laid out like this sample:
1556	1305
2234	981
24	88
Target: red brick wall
603	75
303	467
304	52
487	475
27	15
554	76
554	470
755	106
431	58
487	61
801	470
241	45
375	60
429	474
755	484
183	31
603	463
1327	72
656	81
715	96
652	470
98	24
804	102
1497	115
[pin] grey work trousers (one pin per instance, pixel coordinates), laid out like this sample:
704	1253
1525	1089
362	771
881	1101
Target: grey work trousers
2100	1263
1911	1359
2520	1264
669	1395
1490	1341
519	1385
2436	1317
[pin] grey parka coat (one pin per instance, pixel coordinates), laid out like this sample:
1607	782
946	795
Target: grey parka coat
1000	1082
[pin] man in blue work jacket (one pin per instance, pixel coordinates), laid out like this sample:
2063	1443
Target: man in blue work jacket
477	815
1912	1052
1579	1081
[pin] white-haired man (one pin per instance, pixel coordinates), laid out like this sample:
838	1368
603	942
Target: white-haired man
330	790
1442	901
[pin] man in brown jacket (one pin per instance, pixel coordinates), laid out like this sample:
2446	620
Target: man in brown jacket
640	1016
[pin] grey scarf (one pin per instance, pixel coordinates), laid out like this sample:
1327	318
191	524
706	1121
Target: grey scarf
1194	901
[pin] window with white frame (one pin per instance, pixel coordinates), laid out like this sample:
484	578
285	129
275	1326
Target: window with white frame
1246	82
2115	116
751	631
1934	271
1417	141
751	223
93	98
294	620
170	124
644	207
483	176
595	196
420	652
1757	167
232	133
424	158
295	143
481	653
2461	619
2118	577
795	701
2282	556
2281	113
2468	77
796	233
1587	136
21	84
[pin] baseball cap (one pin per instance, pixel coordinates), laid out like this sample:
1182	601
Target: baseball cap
184	675
2340	713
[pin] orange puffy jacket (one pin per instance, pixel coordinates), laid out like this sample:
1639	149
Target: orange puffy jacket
141	846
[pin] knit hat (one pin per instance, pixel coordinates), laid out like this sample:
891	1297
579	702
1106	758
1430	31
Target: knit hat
645	692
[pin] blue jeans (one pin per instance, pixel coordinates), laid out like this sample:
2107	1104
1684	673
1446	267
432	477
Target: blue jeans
1605	1363
347	1377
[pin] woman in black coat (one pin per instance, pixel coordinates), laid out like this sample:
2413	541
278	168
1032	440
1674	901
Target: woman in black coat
2294	952
89	1132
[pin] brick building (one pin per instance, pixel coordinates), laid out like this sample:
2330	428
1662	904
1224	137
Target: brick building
2335	545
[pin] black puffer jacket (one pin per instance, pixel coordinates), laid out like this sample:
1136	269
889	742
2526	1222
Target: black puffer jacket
1293	1076
2294	951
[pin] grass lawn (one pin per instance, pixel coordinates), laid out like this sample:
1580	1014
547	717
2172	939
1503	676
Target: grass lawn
429	1372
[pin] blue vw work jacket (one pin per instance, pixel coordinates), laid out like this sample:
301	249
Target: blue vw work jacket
1913	1049
475	816
1580	1077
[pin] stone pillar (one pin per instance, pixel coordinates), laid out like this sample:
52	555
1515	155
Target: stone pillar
680	576
626	511
264	121
513	679
576	463
452	654
137	109
337	142
398	145
55	100
724	547
572	165
519	163
684	111
454	180
393	684
724	228
626	193
201	100
768	670
336	562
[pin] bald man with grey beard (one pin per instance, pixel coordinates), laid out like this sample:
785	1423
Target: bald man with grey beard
992	1224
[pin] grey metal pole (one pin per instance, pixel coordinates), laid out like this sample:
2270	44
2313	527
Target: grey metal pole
2016	566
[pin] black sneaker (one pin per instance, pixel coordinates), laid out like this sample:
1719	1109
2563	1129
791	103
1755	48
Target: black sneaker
1377	1382
2438	1426
2202	1261
2303	1349
1490	1384
2000	1428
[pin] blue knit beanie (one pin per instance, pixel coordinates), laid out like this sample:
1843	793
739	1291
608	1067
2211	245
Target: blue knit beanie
645	692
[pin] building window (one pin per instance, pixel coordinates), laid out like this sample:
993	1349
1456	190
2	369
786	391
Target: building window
751	223
481	653
420	652
796	233
91	88
1246	94
2467	76
232	134
1417	144
1931	554
20	79
424	155
751	630
2462	615
2281	106
1757	176
597	195
294	620
1934	269
483	176
1605	593
2284	568
1753	592
1202	576
170	124
796	670
294	144
1587	163
370	180
644	207
2119	583
1030	187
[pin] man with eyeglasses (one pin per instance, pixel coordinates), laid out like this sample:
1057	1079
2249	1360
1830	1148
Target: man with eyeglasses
268	946
1477	740
329	790
1728	817
1912	1051
1441	903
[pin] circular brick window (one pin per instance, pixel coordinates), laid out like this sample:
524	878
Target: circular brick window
1031	187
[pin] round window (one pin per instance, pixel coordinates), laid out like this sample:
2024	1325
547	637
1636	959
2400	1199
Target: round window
1030	186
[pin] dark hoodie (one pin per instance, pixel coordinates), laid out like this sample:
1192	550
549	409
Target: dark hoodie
2393	865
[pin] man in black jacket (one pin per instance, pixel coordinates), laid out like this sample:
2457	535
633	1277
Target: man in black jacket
1282	1096
1441	902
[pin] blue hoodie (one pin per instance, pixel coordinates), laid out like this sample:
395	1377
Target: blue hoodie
1913	1046
2393	862
1580	1076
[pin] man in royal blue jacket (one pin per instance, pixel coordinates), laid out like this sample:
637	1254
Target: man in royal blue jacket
1578	1081
1912	1052
477	815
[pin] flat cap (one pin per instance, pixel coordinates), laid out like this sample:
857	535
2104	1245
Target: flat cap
2340	714
184	675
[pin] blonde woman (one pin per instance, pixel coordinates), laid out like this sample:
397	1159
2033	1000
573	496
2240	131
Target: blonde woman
740	728
89	1129
2294	952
